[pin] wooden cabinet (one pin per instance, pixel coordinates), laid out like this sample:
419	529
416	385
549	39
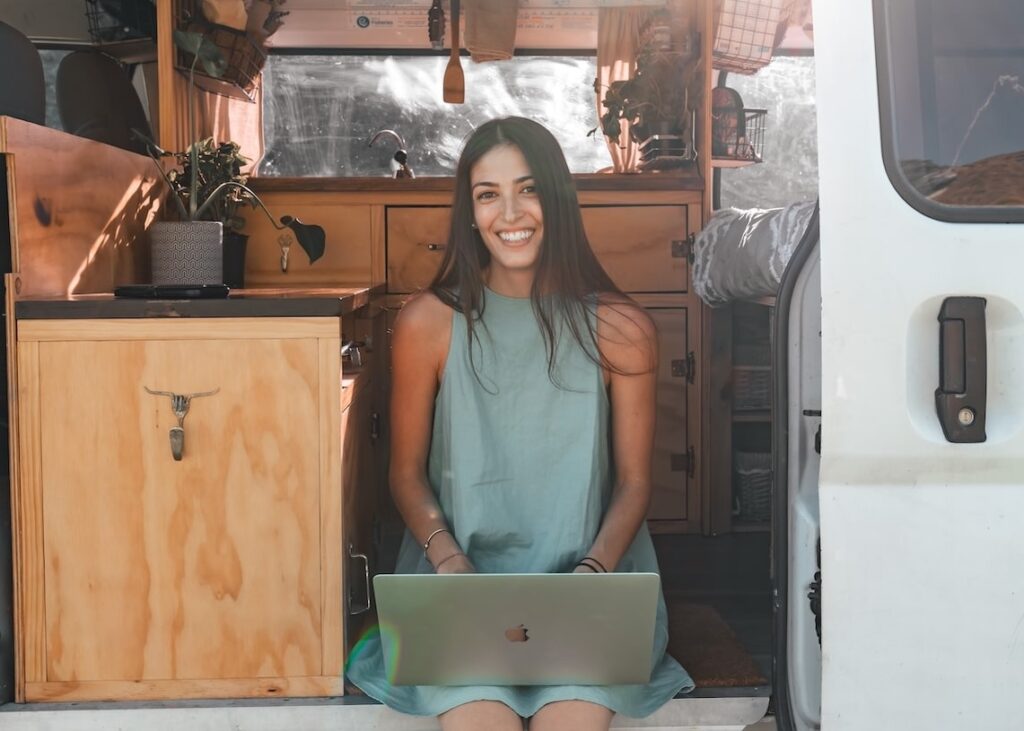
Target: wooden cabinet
143	576
643	248
675	501
416	239
363	399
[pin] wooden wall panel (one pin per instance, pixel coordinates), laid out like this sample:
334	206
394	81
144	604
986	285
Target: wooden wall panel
80	209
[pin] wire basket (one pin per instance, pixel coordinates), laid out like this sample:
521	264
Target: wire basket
745	33
244	56
752	486
738	136
113	21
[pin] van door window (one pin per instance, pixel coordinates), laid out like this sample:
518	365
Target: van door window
951	93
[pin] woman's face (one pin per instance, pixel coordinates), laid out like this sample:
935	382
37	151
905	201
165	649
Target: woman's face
507	210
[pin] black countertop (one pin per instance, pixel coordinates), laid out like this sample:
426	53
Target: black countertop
255	302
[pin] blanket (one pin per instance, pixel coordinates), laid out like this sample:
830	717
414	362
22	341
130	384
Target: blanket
742	254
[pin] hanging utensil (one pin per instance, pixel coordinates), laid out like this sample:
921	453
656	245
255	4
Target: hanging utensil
454	81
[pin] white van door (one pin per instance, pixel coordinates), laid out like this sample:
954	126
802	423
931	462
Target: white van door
921	154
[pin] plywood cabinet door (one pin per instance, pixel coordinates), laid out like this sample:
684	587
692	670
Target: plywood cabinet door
416	240
674	496
159	573
643	248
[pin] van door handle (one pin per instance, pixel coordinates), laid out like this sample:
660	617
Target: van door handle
963	369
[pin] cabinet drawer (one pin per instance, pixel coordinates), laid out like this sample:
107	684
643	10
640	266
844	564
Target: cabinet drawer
635	245
416	239
641	247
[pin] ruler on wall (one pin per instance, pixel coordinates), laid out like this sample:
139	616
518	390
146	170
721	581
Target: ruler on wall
400	24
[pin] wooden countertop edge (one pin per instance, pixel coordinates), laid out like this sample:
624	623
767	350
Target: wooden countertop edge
257	302
584	182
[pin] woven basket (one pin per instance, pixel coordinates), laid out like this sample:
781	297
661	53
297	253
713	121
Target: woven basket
752	388
752	485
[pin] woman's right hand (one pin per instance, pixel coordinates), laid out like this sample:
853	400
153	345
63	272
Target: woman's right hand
459	564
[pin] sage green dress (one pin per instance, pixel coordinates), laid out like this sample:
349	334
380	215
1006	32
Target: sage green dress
521	469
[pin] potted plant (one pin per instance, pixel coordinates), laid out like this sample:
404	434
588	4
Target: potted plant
207	187
216	164
655	101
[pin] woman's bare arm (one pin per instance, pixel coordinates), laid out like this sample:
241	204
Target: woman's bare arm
628	340
419	346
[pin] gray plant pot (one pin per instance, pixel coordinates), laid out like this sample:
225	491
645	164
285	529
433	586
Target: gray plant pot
187	252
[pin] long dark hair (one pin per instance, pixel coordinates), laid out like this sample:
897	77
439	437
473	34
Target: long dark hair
569	278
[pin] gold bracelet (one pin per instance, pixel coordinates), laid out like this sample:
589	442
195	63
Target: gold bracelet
426	543
446	558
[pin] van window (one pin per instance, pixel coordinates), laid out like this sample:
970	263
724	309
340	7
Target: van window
320	111
51	61
789	173
951	88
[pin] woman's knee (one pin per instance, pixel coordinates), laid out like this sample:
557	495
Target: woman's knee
582	715
481	715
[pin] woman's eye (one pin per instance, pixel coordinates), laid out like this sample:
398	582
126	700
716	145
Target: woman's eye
486	195
529	189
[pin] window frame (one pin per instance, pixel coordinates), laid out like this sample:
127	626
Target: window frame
944	212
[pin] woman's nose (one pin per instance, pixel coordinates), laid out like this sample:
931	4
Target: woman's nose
510	209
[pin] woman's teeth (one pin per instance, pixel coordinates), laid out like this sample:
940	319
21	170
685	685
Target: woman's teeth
515	236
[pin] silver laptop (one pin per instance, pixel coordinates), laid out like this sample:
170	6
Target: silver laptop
517	629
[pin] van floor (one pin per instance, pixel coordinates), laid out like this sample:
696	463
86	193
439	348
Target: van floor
729	573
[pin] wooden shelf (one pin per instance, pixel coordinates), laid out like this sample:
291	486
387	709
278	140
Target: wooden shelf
750	417
731	162
139	50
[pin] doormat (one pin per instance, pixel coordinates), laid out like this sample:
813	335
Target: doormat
707	647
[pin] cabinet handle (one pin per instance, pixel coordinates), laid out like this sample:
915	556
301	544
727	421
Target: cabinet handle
366	575
180	403
436	247
350	352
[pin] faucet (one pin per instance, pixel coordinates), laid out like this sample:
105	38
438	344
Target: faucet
401	156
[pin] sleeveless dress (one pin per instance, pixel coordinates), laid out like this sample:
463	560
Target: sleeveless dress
521	469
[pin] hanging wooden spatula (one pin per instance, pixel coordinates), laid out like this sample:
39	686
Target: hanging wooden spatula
454	81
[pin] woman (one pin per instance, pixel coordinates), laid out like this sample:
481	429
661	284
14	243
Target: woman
511	376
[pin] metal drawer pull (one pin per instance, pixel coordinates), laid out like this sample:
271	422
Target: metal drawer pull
180	403
366	574
350	352
436	247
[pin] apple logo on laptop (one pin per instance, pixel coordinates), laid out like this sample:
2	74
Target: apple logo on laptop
517	634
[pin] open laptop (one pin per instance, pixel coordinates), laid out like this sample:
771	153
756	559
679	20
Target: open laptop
517	629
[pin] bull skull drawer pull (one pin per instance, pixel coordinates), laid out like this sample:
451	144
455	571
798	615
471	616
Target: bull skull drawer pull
180	403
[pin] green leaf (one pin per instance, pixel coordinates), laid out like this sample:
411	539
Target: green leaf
204	49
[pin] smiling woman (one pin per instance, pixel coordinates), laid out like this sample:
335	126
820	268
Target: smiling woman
321	110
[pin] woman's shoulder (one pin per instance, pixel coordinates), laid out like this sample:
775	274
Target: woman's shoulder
626	334
423	330
424	311
620	313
